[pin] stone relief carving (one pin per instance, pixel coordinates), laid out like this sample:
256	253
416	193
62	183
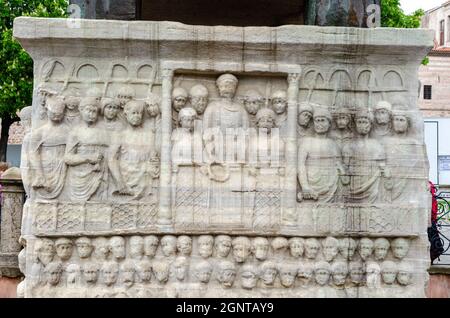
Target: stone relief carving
176	266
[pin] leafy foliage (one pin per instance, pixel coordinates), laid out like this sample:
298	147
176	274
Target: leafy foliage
16	66
393	16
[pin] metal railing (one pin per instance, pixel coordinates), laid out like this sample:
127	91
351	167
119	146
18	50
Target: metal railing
443	228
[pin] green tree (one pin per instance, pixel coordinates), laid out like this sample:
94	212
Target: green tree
393	16
16	66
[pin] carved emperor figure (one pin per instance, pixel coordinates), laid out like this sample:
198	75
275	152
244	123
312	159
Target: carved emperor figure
383	117
86	155
320	163
343	133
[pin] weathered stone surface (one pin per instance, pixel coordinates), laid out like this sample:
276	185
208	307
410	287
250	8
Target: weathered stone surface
151	141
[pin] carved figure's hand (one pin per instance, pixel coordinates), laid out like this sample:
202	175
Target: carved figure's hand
345	180
94	159
38	183
155	171
299	196
125	190
309	194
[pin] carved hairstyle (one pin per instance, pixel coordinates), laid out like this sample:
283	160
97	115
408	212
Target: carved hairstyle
63	241
322	266
222	238
339	266
25	113
226	77
88	101
127	266
381	242
203	265
169	239
140	105
225	265
199	90
249	268
279	243
187	112
322	112
110	267
263	112
241	240
268	265
330	241
180	261
54	267
366	241
388	266
108	101
364	113
305	107
260	241
384	105
279	94
179	91
83	240
161	267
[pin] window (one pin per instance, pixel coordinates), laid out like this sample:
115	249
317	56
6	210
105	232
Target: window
427	89
442	32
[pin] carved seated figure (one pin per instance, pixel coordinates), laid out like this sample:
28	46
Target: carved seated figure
366	162
46	153
137	164
320	169
86	155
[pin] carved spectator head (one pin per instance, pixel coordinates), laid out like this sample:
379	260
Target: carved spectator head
279	102
268	272
125	95
383	113
53	271
72	100
330	248
203	271
365	248
357	272
169	245
342	117
184	245
136	247
226	273
296	246
347	247
339	272
279	245
253	101
25	118
84	247
373	275
127	272
73	272
266	118
363	122
227	85
90	272
205	245
389	272
153	105
179	98
181	266
134	112
400	247
223	245
381	248
305	274
312	248
322	120
405	274
288	274
89	109
56	109
187	118
162	271
322	271
144	271
249	276
110	272
64	248
241	249
102	248
260	248
110	108
118	249
400	122
305	114
46	251
198	95
150	245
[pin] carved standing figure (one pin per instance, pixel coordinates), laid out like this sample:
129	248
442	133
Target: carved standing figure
383	120
198	95
343	132
46	156
320	168
305	116
279	105
366	162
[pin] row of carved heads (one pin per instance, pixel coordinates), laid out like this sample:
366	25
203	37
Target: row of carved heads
240	249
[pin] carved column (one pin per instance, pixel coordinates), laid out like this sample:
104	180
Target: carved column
13	198
290	190
165	209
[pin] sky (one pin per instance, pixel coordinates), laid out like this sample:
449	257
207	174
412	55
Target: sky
410	6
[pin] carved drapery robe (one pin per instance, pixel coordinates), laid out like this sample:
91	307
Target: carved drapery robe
364	159
319	161
87	181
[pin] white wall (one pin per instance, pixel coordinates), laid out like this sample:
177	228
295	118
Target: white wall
437	139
